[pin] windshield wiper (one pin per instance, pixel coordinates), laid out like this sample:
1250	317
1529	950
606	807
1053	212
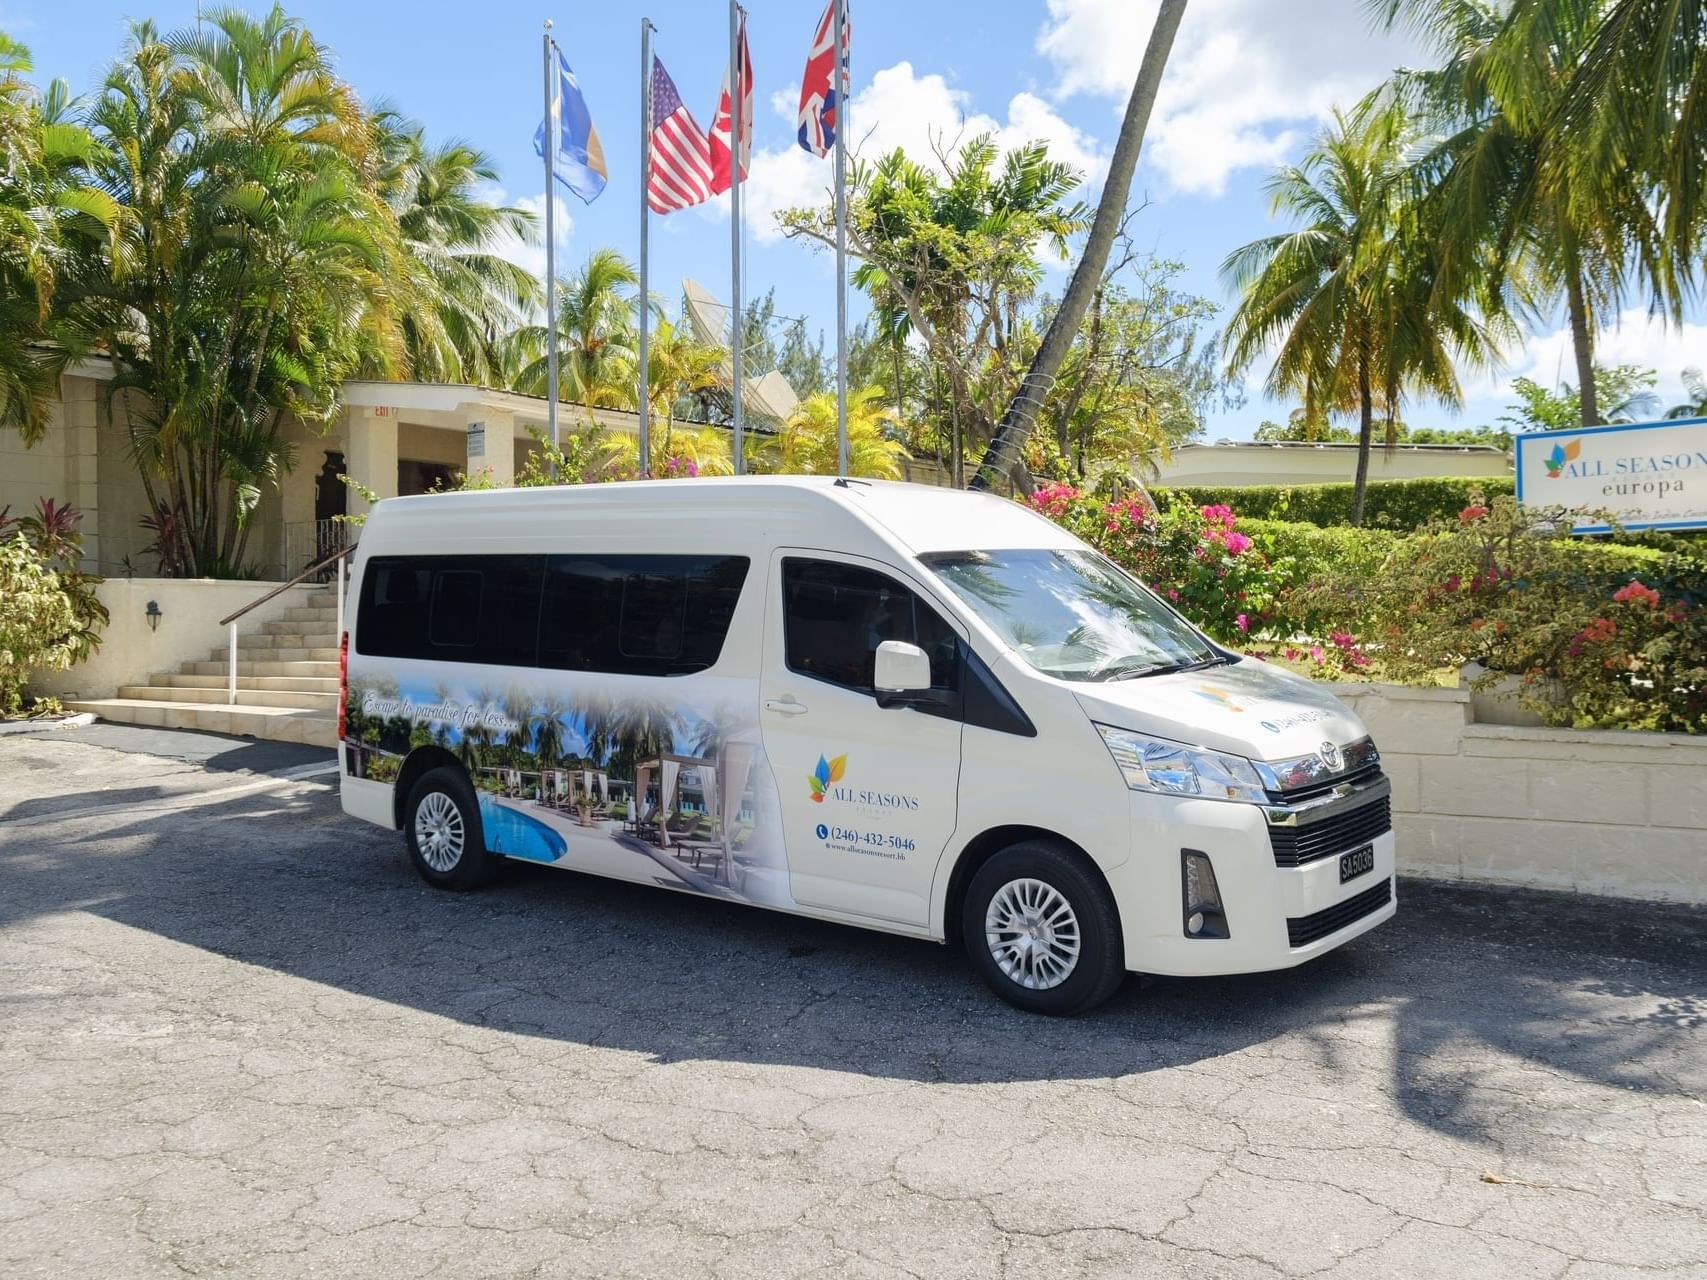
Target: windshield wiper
1172	668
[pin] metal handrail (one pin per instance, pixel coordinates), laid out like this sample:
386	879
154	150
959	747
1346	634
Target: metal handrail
229	622
286	586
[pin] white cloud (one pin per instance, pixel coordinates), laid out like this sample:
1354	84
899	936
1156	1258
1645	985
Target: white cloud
1635	338
531	257
900	108
1246	80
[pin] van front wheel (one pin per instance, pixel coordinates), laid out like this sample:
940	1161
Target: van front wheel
1042	930
441	824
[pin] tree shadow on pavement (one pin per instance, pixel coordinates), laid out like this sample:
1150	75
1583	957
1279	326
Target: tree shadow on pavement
1441	1001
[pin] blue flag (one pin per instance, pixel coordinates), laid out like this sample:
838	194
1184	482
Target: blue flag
579	162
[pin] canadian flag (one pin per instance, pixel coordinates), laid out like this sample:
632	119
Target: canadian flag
722	125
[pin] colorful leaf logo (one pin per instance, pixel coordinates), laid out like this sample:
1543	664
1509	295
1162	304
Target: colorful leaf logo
1560	456
827	772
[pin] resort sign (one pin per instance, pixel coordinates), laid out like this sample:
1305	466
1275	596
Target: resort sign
1649	475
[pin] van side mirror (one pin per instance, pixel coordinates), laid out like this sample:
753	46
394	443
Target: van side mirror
902	669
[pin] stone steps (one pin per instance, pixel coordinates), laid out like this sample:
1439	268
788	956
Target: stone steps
219	666
217	680
287	682
222	695
271	654
277	724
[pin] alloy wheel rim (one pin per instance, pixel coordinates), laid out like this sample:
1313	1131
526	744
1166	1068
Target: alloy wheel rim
1033	934
439	831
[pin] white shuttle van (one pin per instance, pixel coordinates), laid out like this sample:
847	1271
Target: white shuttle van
918	710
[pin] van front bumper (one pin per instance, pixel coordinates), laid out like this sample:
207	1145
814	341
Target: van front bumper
1276	916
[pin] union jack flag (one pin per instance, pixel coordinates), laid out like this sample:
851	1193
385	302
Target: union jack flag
721	130
820	87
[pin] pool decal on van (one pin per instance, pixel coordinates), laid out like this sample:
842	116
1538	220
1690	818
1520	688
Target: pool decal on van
604	774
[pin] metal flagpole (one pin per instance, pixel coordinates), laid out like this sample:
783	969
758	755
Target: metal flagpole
737	434
646	29
552	139
842	78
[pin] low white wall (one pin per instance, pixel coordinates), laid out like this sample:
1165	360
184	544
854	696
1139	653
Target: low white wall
1597	811
191	608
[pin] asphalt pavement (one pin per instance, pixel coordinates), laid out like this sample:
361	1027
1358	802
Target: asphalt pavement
238	1036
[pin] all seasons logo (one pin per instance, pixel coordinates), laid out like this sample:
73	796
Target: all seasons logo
831	770
1628	475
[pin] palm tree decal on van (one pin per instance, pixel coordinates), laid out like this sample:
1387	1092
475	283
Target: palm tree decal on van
828	771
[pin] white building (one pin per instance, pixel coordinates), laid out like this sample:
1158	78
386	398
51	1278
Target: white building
1230	462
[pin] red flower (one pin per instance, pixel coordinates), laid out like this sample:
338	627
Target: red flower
1637	591
1472	513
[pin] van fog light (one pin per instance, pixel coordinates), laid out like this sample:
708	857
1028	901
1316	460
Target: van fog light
1205	916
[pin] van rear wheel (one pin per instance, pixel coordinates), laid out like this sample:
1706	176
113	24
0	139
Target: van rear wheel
1042	930
441	825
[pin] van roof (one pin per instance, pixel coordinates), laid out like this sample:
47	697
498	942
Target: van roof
922	518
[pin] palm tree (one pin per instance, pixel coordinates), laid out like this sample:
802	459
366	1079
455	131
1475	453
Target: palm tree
807	445
1635	108
256	280
48	215
596	336
1345	303
1512	222
678	366
1003	455
463	296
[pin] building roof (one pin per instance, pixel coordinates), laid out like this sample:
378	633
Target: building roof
1336	445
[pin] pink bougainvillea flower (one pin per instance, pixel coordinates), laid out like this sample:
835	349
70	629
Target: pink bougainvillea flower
1635	590
1237	544
1242	622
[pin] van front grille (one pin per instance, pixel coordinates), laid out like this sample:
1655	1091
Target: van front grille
1301	931
1295	846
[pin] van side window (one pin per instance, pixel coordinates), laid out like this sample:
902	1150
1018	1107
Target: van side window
638	615
835	615
481	609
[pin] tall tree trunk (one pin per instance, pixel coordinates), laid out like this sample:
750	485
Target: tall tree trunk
1582	337
1002	458
1365	435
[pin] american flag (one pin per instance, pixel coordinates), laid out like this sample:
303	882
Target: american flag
820	87
721	124
681	163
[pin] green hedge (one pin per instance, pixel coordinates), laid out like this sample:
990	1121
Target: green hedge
1303	551
1396	504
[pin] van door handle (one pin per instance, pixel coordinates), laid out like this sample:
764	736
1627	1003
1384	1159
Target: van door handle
785	706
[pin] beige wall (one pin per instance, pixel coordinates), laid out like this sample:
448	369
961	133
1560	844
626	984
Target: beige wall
1322	464
64	466
1597	811
189	630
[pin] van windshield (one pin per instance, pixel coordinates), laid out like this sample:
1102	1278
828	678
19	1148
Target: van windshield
1073	614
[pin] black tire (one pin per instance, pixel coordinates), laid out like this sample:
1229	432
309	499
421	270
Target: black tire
442	804
1100	964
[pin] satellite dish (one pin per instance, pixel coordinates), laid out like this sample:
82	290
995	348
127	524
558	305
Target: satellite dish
769	397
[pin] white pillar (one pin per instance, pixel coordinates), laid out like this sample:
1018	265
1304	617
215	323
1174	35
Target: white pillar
491	442
370	452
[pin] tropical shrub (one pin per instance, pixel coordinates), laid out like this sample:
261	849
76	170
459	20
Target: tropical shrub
1196	558
51	532
38	625
1612	636
1397	504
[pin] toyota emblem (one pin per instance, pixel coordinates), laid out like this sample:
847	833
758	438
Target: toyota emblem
1330	755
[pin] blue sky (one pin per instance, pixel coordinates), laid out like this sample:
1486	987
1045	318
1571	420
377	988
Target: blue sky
1248	83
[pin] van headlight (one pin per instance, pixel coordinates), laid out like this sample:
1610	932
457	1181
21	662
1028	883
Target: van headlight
1174	769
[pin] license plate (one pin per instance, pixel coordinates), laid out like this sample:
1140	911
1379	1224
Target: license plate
1358	862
